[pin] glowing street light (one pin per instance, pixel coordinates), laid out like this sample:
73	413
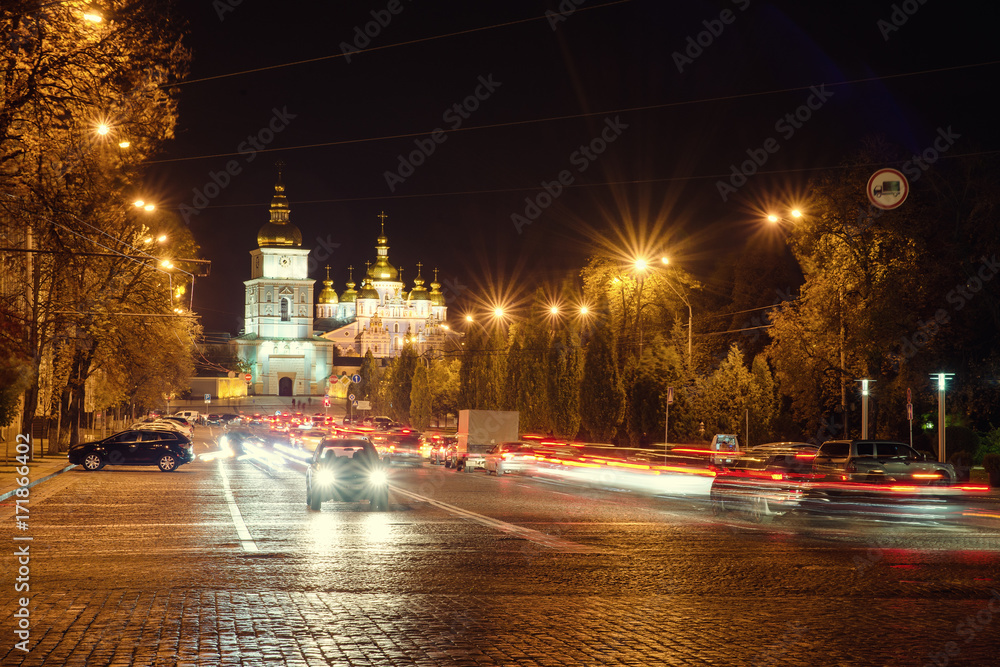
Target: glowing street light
124	143
149	207
584	310
640	265
554	310
167	264
498	312
103	129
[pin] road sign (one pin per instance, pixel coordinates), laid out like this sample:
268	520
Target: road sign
887	189
670	395
909	411
326	402
363	405
355	404
909	395
208	399
356	379
351	397
248	377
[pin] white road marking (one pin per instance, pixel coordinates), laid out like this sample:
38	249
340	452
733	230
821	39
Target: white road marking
246	540
538	537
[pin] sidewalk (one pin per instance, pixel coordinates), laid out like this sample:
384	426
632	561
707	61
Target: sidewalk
38	469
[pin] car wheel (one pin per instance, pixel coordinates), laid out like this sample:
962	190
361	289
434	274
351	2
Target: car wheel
92	462
499	470
758	512
447	463
380	502
718	505
313	500
167	463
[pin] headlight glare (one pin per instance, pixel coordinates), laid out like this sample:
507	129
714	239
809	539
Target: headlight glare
378	477
325	477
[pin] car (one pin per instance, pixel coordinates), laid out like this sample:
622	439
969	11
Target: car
402	448
165	448
231	419
164	424
379	423
306	438
879	462
188	427
510	457
764	482
213	420
467	461
439	447
346	470
192	416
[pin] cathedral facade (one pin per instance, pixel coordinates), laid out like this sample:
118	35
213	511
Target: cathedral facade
292	344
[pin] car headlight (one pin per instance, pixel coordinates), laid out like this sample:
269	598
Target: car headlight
378	477
325	477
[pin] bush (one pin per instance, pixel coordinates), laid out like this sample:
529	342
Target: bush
962	461
992	464
989	443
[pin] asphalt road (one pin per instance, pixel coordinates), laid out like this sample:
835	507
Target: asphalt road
221	563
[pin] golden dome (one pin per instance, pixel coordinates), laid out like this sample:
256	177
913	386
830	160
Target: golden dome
279	232
419	292
350	295
328	295
367	291
382	269
437	297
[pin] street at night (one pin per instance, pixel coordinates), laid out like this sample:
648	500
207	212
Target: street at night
223	563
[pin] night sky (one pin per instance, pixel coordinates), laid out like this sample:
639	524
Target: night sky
674	118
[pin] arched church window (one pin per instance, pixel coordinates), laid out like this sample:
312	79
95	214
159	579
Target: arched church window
395	327
285	315
268	296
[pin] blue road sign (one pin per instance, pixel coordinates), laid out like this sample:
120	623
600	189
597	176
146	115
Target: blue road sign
356	378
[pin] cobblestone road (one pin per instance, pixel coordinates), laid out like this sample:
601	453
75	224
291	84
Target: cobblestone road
135	567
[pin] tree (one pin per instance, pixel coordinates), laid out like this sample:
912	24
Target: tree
602	395
565	375
420	399
443	377
399	389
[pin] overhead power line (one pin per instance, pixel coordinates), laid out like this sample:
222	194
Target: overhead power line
355	52
606	112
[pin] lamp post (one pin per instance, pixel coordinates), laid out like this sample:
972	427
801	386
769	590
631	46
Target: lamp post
942	381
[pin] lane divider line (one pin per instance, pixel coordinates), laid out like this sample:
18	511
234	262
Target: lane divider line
246	539
538	537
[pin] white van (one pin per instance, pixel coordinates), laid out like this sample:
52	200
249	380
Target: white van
192	416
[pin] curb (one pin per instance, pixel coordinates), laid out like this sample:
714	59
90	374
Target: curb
7	495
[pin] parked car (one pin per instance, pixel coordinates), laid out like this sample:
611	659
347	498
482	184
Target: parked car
764	482
510	457
165	448
879	462
192	416
380	423
347	469
164	424
213	420
188	427
231	419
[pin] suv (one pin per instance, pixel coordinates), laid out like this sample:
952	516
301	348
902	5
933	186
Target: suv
165	448
879	462
347	469
403	448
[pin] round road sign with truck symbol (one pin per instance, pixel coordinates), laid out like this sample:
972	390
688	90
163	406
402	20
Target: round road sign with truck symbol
887	189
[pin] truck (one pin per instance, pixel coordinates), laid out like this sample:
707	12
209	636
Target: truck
478	432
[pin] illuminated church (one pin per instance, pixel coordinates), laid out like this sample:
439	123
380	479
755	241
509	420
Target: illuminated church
292	347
